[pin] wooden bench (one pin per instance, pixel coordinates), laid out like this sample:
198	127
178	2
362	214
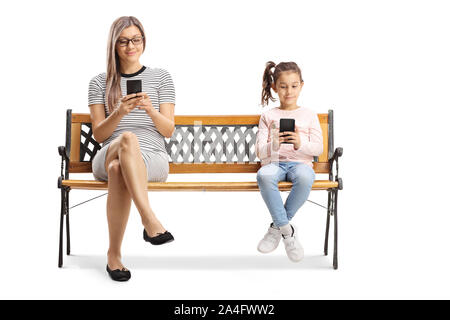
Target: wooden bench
200	144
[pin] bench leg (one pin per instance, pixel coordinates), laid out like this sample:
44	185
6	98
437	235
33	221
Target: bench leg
335	255
61	229
67	223
327	229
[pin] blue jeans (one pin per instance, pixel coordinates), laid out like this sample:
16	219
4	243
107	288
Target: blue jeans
302	177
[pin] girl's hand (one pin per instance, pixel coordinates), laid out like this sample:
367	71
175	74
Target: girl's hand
274	136
126	104
291	137
145	103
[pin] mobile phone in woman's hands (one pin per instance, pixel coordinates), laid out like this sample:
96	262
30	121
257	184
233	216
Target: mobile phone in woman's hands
134	86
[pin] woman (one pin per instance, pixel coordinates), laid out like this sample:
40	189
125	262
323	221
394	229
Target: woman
131	129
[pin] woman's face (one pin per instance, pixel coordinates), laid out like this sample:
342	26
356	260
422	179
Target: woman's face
129	52
288	88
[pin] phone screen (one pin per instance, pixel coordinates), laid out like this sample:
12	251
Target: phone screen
287	124
134	86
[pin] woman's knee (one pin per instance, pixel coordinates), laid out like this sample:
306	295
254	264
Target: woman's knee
114	168
115	177
128	142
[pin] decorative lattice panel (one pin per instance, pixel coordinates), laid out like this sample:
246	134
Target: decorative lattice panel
195	144
212	144
88	145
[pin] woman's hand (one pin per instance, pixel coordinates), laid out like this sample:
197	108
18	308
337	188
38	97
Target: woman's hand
127	104
291	137
145	103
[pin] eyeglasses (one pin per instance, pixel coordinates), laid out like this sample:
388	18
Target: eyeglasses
123	42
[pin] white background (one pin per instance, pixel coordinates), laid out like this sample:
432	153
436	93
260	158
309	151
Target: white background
382	66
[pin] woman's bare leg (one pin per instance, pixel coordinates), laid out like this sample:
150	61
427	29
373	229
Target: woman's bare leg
117	210
126	150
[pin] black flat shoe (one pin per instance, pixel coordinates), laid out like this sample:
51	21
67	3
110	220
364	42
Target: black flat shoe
161	238
119	275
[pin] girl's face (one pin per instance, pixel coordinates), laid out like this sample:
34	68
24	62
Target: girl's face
128	51
288	88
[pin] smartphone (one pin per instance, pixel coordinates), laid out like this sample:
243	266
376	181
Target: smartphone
287	125
134	86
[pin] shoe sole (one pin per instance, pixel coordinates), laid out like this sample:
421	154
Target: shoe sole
159	244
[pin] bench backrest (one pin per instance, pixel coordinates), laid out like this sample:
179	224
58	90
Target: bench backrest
200	144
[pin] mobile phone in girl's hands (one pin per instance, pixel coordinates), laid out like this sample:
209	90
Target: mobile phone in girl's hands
287	124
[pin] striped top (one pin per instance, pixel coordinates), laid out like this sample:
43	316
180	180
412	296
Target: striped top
158	85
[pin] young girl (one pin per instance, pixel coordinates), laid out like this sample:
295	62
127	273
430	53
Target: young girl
285	155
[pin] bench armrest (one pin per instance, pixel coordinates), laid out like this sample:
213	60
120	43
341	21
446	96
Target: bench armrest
64	164
62	151
335	159
337	153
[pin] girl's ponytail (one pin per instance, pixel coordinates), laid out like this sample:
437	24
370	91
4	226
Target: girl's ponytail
267	83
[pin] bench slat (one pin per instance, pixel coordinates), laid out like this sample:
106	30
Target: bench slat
324	156
75	142
206	120
196	186
86	167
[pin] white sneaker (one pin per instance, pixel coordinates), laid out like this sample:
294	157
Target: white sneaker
270	241
293	247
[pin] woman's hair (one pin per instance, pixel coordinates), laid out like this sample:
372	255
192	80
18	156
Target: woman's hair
113	91
271	77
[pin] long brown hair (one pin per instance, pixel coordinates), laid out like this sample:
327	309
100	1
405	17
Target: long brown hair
270	77
113	91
